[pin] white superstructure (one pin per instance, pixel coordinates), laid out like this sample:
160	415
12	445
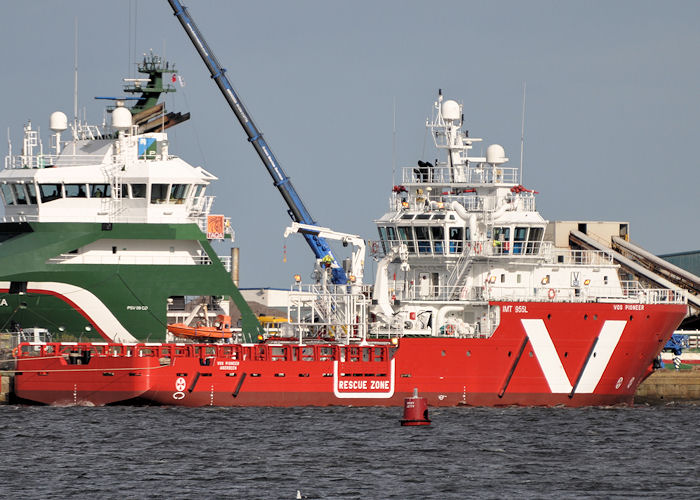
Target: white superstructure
461	234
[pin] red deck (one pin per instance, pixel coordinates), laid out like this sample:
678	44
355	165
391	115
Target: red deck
541	354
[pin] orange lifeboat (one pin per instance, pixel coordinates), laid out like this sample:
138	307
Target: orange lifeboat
220	330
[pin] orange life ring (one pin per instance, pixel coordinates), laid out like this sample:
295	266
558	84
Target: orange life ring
449	329
15	352
552	293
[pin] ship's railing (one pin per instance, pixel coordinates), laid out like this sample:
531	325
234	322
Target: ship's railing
470	175
627	294
201	206
139	260
427	201
455	248
43	161
581	257
322	310
119	218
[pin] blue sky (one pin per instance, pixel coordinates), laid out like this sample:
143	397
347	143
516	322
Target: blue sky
613	103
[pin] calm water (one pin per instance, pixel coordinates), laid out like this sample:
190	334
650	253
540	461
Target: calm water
154	452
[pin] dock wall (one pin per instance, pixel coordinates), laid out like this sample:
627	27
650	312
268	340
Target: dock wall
669	385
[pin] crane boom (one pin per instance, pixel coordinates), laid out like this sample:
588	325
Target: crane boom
297	210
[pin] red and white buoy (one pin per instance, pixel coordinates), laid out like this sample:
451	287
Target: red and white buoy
415	410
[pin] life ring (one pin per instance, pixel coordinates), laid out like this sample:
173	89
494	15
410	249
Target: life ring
449	329
552	293
15	352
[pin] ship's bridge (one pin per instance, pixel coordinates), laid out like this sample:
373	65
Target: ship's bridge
104	177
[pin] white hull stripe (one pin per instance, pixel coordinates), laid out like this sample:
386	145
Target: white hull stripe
551	364
90	307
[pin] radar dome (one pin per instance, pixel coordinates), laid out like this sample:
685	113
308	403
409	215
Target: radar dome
121	118
58	121
495	154
450	110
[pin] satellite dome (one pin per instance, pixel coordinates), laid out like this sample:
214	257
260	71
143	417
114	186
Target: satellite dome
58	121
450	110
495	154
121	118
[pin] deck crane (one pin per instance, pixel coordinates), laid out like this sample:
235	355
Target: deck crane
297	210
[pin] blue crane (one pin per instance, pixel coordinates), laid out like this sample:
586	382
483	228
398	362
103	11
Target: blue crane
297	211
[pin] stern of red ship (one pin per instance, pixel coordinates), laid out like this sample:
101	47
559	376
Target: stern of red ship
81	373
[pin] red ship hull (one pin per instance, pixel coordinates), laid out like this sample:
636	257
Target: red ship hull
572	354
56	377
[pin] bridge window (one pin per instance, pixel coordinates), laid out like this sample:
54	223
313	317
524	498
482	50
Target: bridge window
20	195
438	234
138	190
501	240
75	191
31	191
159	193
535	240
423	239
100	190
519	239
50	192
7	194
406	233
455	240
177	193
382	238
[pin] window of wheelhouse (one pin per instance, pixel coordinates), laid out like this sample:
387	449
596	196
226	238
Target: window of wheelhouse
456	235
501	240
75	191
159	193
138	190
519	239
406	234
177	193
198	190
20	194
382	237
50	192
7	195
100	190
31	191
534	240
423	239
438	234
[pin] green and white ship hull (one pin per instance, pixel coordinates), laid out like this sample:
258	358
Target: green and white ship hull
109	232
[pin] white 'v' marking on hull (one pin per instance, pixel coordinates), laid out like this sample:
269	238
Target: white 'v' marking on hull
598	362
551	364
